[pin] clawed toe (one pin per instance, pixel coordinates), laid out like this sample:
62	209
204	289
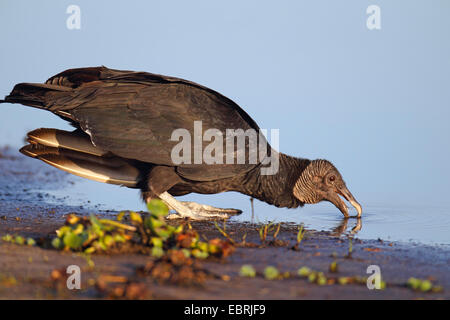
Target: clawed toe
195	211
205	209
198	215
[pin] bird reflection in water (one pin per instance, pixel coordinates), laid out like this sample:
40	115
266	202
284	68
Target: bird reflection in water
342	227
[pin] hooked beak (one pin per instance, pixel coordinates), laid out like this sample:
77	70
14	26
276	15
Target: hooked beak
337	201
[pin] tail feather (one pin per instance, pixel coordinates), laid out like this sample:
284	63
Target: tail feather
106	170
74	152
76	140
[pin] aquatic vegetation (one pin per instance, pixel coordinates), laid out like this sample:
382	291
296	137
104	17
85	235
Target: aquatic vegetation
277	231
316	277
247	271
300	234
91	234
423	285
151	230
333	267
19	240
244	238
224	232
264	230
271	273
319	278
304	271
312	276
176	249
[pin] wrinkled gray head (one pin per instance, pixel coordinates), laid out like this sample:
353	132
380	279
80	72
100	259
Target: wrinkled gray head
322	181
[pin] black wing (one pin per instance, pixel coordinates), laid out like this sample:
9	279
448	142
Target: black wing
133	115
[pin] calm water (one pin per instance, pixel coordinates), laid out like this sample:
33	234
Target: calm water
423	224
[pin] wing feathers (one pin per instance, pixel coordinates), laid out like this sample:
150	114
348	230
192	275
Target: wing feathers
134	114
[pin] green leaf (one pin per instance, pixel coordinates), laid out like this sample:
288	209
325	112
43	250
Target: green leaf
100	245
57	243
213	249
31	242
148	223
203	246
7	238
186	252
179	229
247	270
304	271
157	252
73	241
158	208
135	217
414	283
152	223
199	254
164	234
333	267
120	215
157	242
300	234
97	226
95	221
79	229
321	279
108	240
20	240
61	232
425	286
271	273
89	250
119	238
85	237
170	228
312	277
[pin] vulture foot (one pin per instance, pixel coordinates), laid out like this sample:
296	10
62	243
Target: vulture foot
195	211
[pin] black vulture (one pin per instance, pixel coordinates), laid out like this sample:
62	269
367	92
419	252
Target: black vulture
124	124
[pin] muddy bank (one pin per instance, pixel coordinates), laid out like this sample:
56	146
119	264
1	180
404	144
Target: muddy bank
32	272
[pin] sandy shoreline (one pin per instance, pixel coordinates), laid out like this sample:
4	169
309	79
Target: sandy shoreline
25	271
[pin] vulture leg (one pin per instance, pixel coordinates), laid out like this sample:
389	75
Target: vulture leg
194	210
162	178
206	208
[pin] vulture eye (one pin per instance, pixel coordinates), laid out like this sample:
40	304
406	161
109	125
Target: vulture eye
332	178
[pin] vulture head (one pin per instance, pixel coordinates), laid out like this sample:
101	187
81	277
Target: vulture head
322	181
